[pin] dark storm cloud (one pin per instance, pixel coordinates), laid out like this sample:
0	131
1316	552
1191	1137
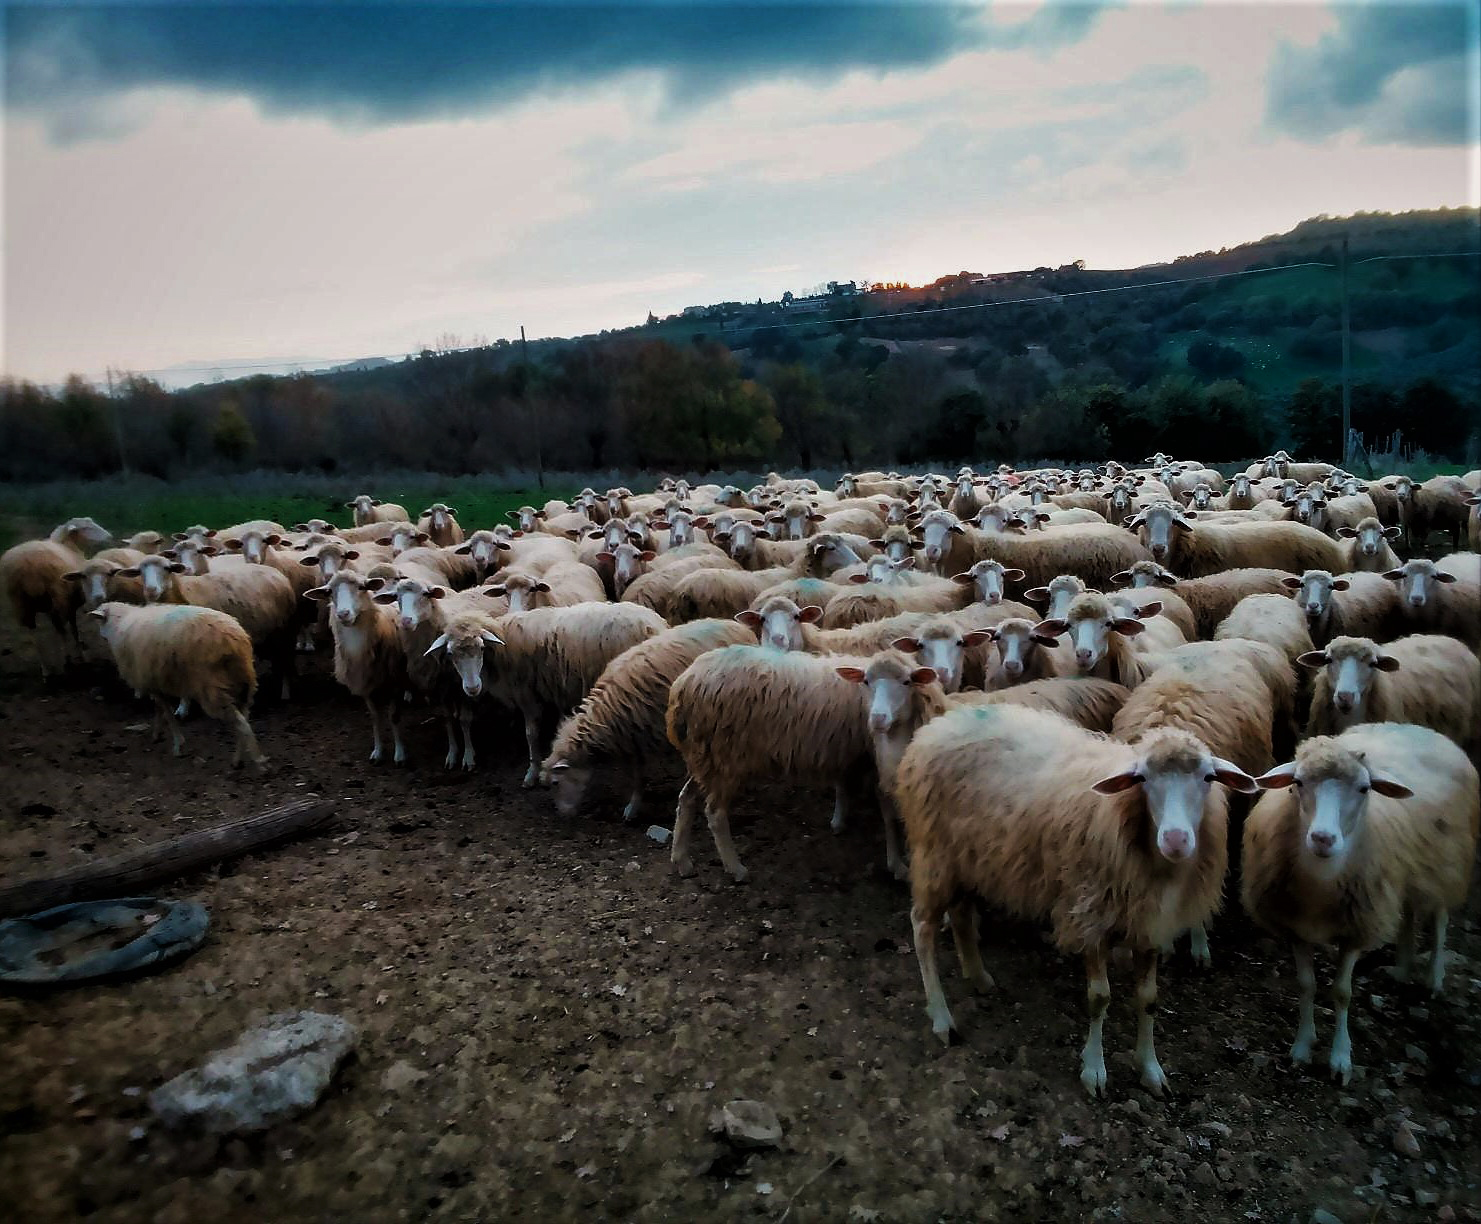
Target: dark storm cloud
1396	73
382	63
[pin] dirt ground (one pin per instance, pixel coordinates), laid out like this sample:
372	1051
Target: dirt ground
548	1017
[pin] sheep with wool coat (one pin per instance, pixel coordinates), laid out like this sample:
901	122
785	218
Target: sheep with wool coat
1427	679
1273	619
1198	549
746	712
440	522
185	654
1365	547
1437	504
1211	599
34	575
560	586
1023	655
1352	605
1091	704
621	722
372	510
1432	600
1107	842
1356	842
1098	636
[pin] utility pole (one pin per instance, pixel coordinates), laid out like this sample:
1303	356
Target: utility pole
123	458
1346	361
535	430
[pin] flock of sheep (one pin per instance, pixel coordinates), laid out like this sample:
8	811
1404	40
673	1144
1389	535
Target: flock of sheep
1056	683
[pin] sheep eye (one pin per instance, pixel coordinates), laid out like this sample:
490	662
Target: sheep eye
1296	782
1362	790
1209	778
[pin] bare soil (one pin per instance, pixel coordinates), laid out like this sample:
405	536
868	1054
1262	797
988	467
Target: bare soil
548	1016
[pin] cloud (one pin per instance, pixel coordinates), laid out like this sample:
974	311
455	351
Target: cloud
1395	73
372	64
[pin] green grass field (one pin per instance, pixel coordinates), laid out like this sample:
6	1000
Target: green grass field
127	507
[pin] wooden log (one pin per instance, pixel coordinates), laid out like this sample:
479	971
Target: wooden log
123	875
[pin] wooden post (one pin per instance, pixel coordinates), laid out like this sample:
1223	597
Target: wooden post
122	875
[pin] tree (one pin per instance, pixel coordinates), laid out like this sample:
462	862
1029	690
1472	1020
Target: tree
802	408
231	436
1314	420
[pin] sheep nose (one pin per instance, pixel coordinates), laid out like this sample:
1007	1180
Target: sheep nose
1013	667
1175	843
473	688
1345	701
879	722
408	623
1083	657
1321	842
1416	601
345	617
1159	550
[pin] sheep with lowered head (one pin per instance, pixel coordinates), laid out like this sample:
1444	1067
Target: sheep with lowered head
1427	679
1358	840
180	654
1107	842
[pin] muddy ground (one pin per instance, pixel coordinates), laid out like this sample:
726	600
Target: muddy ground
548	1017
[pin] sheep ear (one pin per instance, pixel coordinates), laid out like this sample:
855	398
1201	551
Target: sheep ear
1442	576
374	584
749	618
542	587
810	614
317	594
1117	783
1228	774
1391	787
1278	778
176	567
1128	625
976	637
606	557
1340	584
1393	533
384	540
1042	639
1053	627
958	529
1123	577
1386	663
854	675
99	613
924	675
513	514
647	554
73	576
1394	575
1313	658
858	578
907	644
1291	582
463	549
436	645
233	545
1152	608
490	638
963	579
384	597
1037	595
310	561
349	505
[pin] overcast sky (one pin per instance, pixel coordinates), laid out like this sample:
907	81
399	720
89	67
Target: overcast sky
247	182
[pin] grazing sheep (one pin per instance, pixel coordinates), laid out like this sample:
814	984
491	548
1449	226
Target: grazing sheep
1437	685
1357	605
1201	549
1434	601
998	804
744	712
372	510
185	654
34	575
621	721
261	599
1358	840
1365	547
1272	619
440	522
1211	599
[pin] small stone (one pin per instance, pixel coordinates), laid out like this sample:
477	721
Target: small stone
659	834
763	1187
1204	1175
401	1075
1414	1053
1405	1142
1426	1198
1322	1216
274	1071
1219	1128
747	1124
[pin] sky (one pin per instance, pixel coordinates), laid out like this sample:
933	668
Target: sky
243	183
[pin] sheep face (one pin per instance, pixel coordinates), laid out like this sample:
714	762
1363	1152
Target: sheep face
1175	774
1417	579
1309	507
1144	574
1350	664
484	548
527	518
439	518
1241	486
891	685
996	518
1370	535
92	580
193	554
798	520
896	545
1202	498
741	543
254	545
569	784
681	528
937	528
1313	591
989	581
413	601
1089	623
778	623
943	648
1332	786
523	591
330	559
1017	639
827	553
1403	488
156	576
628	562
464	647
614	533
403	538
364	507
1158	524
348	595
1121	500
1058	595
82	531
896	512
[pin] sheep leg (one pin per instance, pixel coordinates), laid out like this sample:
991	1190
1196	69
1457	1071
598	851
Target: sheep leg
689	801
1098	996
1306	980
450	724
393	716
1403	967
717	812
465	720
635	800
246	742
894	860
840	807
1198	946
377	752
924	924
532	741
1153	1079
177	741
1437	964
965	933
1340	1062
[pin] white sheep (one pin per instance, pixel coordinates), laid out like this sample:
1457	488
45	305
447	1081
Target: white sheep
34	575
1354	605
440	522
560	586
1365	547
1198	549
372	510
1355	842
1433	600
999	804
185	654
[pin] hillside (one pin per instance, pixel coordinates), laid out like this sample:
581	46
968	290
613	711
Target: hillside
1239	353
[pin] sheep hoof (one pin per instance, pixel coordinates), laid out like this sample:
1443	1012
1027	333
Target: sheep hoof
899	870
947	1036
450	761
685	867
1340	1066
740	875
468	764
375	755
1153	1079
531	780
1204	960
982	984
1301	1053
1093	1077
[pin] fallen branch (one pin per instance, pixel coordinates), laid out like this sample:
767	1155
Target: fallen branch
125	874
804	1186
